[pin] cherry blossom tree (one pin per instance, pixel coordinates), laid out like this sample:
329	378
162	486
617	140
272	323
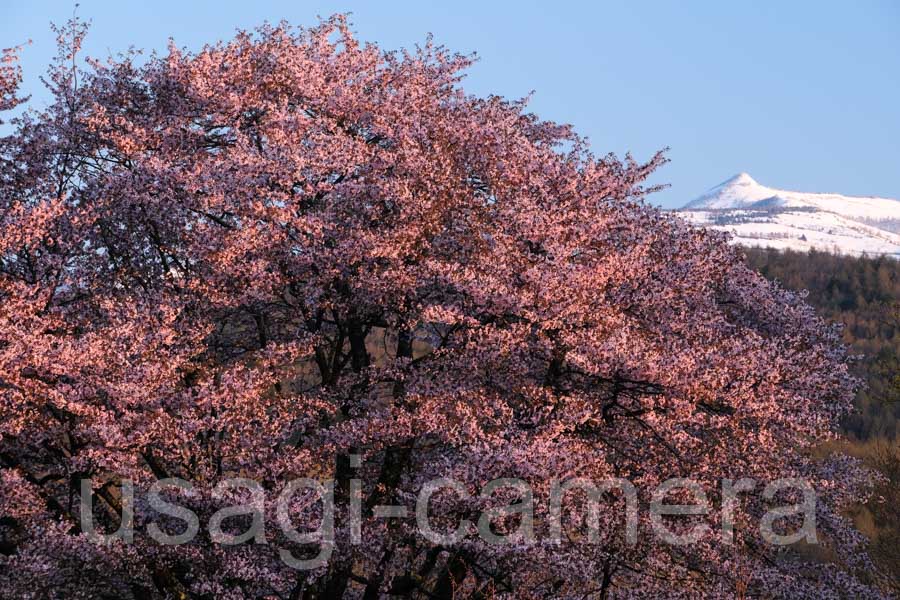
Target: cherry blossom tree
295	255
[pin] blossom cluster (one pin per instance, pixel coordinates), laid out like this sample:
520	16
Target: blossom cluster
281	251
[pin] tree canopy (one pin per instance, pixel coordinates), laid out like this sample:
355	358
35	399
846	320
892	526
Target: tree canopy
267	256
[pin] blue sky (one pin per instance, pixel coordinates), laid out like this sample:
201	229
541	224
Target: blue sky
802	95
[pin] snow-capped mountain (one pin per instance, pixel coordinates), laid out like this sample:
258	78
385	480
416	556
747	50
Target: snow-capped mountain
757	215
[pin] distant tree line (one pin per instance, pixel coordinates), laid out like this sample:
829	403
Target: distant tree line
862	293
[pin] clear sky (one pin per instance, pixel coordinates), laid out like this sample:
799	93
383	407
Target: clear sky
801	94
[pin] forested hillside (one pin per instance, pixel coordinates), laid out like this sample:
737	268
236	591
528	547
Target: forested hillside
864	295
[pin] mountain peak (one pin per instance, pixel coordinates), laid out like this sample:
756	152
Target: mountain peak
742	178
735	192
758	215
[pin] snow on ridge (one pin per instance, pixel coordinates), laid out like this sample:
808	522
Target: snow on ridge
736	192
757	215
742	191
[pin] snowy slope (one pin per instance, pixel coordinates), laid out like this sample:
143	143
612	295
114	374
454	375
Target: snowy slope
757	215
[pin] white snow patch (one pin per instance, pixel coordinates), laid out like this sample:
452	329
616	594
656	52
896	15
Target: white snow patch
757	215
